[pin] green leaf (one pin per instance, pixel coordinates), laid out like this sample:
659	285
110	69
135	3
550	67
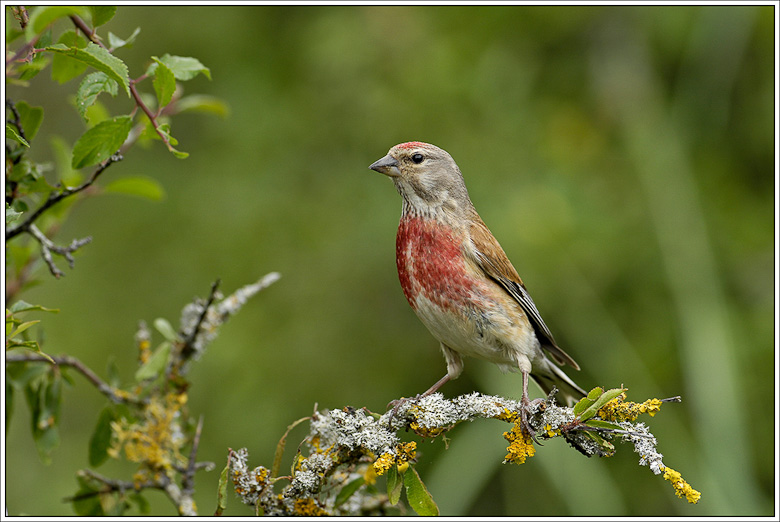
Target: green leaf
164	83
101	141
156	363
600	402
112	373
11	215
89	89
98	58
65	68
582	405
12	134
140	500
184	68
606	448
114	42
31	69
44	395
23	306
30	118
67	175
222	489
101	14
101	437
595	393
348	490
24	326
164	327
394	485
420	500
86	502
44	16
202	103
140	186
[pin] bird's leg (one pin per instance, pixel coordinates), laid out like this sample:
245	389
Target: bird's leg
526	408
433	389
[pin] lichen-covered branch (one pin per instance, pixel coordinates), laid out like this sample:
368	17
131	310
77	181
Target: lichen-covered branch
346	450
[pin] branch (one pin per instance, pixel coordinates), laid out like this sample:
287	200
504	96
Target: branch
17	121
188	482
188	348
345	444
116	395
53	198
111	485
48	246
84	28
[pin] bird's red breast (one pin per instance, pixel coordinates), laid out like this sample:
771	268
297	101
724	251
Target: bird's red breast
430	261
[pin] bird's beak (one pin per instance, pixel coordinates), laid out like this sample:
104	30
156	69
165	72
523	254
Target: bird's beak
387	166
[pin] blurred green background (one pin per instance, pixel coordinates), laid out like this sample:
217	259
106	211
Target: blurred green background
623	156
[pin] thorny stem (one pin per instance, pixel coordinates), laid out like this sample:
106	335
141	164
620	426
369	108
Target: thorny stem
117	396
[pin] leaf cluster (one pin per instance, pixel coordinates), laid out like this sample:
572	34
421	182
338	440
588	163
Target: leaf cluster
151	411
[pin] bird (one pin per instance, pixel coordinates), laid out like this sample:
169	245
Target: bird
460	282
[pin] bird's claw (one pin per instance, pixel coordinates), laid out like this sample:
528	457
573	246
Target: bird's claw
526	411
393	406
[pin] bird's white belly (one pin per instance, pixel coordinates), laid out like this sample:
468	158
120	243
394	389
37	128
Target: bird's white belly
484	334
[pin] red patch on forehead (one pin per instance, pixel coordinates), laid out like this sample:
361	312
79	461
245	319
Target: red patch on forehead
412	145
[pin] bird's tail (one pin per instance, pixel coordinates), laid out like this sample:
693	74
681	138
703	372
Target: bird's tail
550	375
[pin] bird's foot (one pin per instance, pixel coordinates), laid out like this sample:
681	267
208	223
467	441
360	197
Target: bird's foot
395	405
527	409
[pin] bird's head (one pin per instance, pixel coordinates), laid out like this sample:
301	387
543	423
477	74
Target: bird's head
426	177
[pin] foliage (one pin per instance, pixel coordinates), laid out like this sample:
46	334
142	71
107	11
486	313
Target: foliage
148	420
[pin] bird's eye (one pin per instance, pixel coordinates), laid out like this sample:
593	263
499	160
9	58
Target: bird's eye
417	158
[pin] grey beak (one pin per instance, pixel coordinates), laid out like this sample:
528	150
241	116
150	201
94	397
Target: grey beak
387	165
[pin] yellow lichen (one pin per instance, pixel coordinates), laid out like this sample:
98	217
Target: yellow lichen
520	444
154	440
423	431
307	507
617	410
404	452
383	463
681	487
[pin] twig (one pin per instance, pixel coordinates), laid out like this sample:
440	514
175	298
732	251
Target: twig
116	395
17	121
20	13
48	246
84	28
53	198
188	482
112	485
187	348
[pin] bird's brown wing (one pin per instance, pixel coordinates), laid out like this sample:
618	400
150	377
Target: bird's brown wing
490	257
